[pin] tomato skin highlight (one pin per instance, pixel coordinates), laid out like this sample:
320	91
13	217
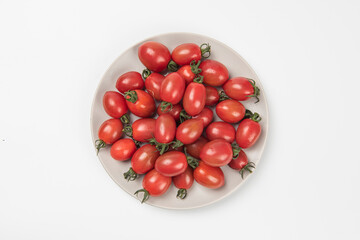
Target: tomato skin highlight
239	162
123	149
144	105
154	55
165	128
221	130
155	183
153	84
194	98
212	96
238	88
184	180
195	148
171	163
186	73
247	133
174	112
143	129
206	115
210	177
144	159
185	53
214	72
230	111
114	104
189	131
129	81
110	131
172	88
216	153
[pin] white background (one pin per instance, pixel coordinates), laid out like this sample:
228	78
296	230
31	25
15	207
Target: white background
52	56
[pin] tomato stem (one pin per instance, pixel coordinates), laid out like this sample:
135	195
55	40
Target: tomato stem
164	105
182	193
199	79
172	66
146	194
128	130
236	150
130	175
223	96
99	144
176	144
256	90
253	116
125	118
146	73
247	168
131	96
184	116
195	67
205	49
161	147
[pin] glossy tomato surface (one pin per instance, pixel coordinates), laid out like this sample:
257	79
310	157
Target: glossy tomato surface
194	98
123	149
214	72
154	55
186	73
238	88
185	180
212	96
216	153
210	177
189	131
165	128
230	111
174	112
143	129
153	84
129	81
240	161
185	53
172	88
144	106
114	104
221	130
206	115
171	163
144	159
155	183
110	131
247	133
195	148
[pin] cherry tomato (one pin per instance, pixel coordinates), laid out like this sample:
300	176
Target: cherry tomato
186	73
171	163
194	98
110	131
221	130
210	177
187	52
216	153
143	129
248	133
165	128
214	72
172	88
153	83
241	89
189	131
140	103
184	181
174	112
123	149
242	164
129	81
195	148
212	96
206	115
114	104
154	184
155	56
230	111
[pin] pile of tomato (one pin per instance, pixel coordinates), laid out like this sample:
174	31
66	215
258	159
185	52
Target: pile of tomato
167	143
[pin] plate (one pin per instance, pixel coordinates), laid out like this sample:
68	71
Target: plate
198	195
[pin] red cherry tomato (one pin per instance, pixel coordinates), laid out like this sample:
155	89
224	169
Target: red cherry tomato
114	104
187	52
241	89
184	181
216	153
206	115
172	88
214	72
129	81
110	131
174	112
171	163
165	128
230	111
221	130
194	98
212	96
153	83
140	103
195	148
248	133
155	56
189	131
242	164
123	149
144	159
143	129
210	177
186	73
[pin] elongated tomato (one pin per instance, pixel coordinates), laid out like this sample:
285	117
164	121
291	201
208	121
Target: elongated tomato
143	129
171	163
186	73
230	111
241	89
216	153
165	128
123	149
248	133
144	159
114	104
154	55
194	98
210	177
172	88
153	84
129	81
140	103
189	131
221	130
184	181
214	72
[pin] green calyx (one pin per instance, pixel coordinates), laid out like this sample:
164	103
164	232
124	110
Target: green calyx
253	116
146	194
236	150
182	193
164	105
145	73
256	90
205	49
131	96
195	67
223	96
176	144
130	175
128	130
247	168
99	144
192	162
172	66
125	118
161	147
184	116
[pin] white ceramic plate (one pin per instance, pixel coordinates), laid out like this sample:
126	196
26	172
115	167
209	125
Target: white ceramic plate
198	195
